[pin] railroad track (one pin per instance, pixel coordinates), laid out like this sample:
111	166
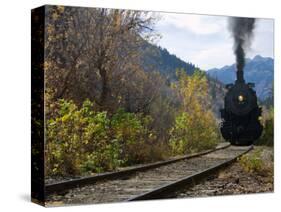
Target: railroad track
151	181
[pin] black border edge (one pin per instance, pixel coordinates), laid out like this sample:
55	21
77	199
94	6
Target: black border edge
37	105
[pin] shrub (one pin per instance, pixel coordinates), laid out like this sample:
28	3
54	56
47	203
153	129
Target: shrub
252	162
267	137
195	127
132	133
192	133
76	136
82	140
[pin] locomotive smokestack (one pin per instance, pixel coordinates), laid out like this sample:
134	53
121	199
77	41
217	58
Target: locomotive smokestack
242	32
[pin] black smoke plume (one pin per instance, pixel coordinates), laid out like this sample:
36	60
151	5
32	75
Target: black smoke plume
242	32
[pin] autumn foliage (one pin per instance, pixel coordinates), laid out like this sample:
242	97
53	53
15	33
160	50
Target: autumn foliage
103	109
82	140
195	126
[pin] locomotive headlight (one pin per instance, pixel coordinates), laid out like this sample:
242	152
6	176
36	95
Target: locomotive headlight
240	98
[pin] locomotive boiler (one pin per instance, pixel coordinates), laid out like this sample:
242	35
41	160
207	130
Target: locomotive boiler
241	113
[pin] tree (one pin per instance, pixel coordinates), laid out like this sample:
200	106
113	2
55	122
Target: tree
93	53
195	126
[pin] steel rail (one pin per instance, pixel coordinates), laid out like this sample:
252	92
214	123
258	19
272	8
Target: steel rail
191	180
69	184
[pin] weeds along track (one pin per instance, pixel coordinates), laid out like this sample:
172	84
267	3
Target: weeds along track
151	181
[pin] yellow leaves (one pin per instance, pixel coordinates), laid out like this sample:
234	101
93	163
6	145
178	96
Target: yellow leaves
252	162
50	29
56	13
195	127
55	169
52	122
193	132
117	20
60	9
192	89
47	65
65	145
65	117
119	98
55	16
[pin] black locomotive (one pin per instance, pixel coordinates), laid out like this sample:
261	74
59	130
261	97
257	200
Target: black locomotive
241	114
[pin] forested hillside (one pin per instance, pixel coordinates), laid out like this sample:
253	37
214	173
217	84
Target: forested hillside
158	58
114	99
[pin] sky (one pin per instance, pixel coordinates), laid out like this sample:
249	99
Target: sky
206	41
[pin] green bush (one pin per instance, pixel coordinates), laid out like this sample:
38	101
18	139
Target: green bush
82	140
193	133
195	126
132	133
76	136
252	162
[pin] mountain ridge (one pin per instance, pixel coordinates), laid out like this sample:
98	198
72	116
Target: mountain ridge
160	59
258	70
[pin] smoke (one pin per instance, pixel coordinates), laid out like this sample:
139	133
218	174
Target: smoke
242	32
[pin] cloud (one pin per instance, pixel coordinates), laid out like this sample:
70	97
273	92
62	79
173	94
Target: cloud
216	56
263	42
198	24
205	40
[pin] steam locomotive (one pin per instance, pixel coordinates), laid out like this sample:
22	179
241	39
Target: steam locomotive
241	114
